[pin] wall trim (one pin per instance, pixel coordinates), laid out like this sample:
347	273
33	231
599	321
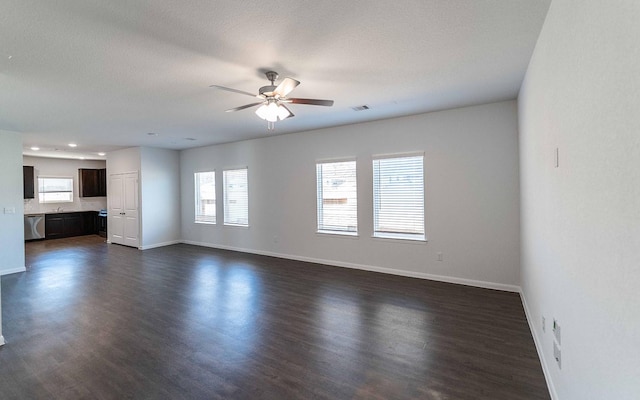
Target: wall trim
2	342
538	343
391	271
153	246
12	271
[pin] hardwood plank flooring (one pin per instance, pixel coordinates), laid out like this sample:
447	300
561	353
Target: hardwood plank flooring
97	321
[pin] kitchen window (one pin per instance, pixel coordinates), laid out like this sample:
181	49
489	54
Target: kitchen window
205	196
398	197
236	197
337	199
55	189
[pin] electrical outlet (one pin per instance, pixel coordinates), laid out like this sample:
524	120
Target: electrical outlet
557	355
544	324
440	257
9	210
557	332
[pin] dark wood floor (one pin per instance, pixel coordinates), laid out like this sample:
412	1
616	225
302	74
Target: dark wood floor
97	321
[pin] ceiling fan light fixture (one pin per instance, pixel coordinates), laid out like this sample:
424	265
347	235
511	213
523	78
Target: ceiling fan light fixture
272	112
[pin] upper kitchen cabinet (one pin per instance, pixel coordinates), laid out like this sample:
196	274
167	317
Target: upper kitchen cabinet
92	182
28	182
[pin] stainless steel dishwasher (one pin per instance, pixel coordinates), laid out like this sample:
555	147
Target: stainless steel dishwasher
33	226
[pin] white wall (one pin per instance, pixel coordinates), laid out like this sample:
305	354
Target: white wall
160	196
123	161
581	221
11	225
63	168
472	192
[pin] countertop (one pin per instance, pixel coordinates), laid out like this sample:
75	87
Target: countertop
58	212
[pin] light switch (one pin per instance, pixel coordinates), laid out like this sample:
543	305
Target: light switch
9	210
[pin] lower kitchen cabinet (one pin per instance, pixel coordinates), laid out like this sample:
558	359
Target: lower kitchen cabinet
53	226
69	224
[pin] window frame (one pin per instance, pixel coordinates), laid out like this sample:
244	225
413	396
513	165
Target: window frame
408	236
197	200
42	193
225	198
319	200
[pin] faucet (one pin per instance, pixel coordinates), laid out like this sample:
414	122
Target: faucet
59	209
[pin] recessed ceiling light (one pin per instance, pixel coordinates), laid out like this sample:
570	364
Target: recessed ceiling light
73	145
35	148
102	154
152	134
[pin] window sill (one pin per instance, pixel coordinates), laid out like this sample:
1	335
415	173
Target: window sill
204	222
338	234
236	225
400	237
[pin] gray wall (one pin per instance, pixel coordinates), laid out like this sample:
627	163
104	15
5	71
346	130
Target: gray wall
160	196
581	221
11	196
11	224
471	195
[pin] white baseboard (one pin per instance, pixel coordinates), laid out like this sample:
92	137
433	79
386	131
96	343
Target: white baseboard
538	344
392	271
153	246
2	342
12	270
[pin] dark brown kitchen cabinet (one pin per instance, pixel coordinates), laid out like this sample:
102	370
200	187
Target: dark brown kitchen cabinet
69	224
28	178
54	226
92	182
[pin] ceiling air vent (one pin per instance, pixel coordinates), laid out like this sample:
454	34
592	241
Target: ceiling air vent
360	108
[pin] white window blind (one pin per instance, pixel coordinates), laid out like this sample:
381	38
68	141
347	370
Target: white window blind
236	197
205	194
398	197
55	190
337	197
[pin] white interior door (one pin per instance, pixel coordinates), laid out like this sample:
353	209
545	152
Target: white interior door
123	209
116	208
131	222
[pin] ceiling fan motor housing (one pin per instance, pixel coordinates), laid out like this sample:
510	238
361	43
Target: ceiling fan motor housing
267	91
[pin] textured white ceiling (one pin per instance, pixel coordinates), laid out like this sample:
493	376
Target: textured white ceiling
103	74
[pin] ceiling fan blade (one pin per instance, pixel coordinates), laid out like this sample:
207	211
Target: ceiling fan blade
243	107
233	90
286	86
290	113
312	102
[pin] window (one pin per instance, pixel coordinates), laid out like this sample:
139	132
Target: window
236	197
337	199
55	190
398	197
205	191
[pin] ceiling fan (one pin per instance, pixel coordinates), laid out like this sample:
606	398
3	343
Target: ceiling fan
273	99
